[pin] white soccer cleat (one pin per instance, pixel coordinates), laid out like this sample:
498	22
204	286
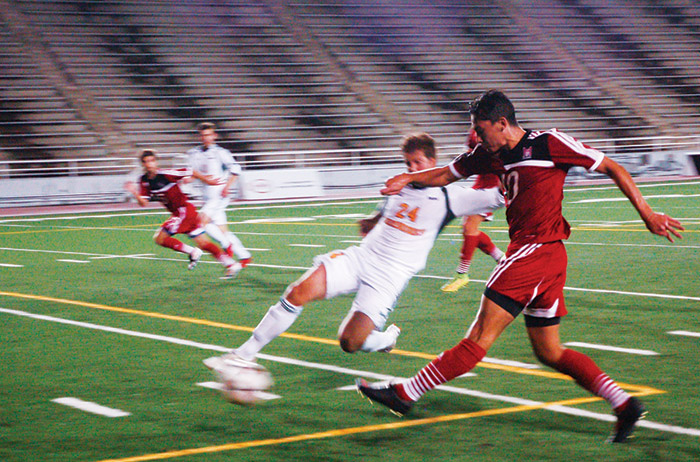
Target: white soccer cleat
232	271
395	331
195	256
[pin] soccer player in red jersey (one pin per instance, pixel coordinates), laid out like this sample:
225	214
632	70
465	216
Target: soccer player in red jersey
162	186
532	166
472	237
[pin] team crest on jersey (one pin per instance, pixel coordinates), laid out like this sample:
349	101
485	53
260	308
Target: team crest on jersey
527	153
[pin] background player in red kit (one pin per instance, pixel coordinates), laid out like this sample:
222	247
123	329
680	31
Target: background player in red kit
163	187
533	166
472	237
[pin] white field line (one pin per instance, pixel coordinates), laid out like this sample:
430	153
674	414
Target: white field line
92	408
67	260
164	212
593	346
124	256
355	373
685	333
11	265
307	245
304	268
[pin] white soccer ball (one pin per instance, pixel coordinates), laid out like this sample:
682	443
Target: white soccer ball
244	384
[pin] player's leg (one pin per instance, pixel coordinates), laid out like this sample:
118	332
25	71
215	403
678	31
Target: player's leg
544	337
280	316
211	217
164	239
207	245
358	332
490	322
363	327
236	247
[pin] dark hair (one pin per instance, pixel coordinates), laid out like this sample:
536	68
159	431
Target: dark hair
422	141
206	126
148	153
491	106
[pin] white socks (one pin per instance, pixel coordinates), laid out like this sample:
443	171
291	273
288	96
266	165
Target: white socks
381	341
278	319
238	249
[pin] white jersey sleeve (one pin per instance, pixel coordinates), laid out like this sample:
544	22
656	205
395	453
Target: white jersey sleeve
465	201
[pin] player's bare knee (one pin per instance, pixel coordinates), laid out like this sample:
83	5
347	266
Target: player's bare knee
350	344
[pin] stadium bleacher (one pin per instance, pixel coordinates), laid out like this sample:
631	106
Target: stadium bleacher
333	78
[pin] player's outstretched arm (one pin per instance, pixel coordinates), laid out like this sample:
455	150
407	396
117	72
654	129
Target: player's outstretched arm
439	176
134	189
657	223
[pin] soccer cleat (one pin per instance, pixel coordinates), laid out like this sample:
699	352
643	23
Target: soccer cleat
457	283
195	256
217	363
384	393
626	420
245	261
395	331
232	270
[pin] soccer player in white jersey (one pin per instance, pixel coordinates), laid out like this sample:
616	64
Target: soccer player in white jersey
216	167
394	249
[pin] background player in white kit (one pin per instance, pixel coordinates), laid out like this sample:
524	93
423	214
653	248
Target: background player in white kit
395	248
216	167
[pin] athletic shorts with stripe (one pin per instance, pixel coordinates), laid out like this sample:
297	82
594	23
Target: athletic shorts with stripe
531	280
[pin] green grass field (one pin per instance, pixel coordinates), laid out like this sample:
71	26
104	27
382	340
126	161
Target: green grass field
92	309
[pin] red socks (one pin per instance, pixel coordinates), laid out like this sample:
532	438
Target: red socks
587	374
450	364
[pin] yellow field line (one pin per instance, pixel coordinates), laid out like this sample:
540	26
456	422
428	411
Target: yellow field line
350	431
305	338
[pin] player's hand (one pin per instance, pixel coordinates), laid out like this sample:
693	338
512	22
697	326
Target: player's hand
395	184
224	192
663	225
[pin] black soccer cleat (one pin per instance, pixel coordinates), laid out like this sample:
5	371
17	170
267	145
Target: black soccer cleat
384	393
626	420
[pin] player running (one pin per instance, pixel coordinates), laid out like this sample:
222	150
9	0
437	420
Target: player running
395	248
217	169
162	186
533	166
472	237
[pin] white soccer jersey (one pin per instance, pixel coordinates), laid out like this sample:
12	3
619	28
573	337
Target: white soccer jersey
412	220
217	162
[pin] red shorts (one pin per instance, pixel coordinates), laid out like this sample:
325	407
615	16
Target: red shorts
531	279
185	222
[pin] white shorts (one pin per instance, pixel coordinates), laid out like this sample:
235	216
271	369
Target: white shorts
377	283
215	209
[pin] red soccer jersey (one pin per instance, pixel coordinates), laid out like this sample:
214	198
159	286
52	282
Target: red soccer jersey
164	188
532	174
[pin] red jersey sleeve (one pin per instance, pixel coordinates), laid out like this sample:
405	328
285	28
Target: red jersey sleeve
567	150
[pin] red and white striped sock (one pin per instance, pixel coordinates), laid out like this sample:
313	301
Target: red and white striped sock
172	243
588	375
450	364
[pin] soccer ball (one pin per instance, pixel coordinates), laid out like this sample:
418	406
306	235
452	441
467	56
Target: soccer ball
243	383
